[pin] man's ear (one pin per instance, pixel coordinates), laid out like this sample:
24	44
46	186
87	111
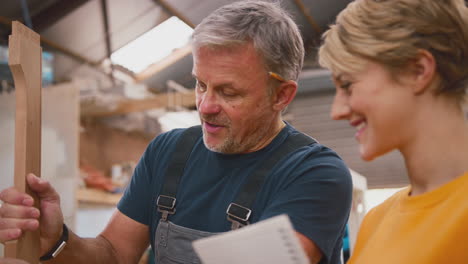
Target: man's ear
284	94
423	71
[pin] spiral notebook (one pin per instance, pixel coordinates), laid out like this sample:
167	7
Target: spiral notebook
269	241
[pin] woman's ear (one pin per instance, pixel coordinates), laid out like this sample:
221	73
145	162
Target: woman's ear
423	71
284	94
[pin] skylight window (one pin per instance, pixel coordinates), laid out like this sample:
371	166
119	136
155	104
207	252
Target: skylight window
154	45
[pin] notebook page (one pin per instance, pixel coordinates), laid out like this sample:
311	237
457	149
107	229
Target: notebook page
270	241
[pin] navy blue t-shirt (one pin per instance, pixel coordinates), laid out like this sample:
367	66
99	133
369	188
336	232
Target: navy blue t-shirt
312	186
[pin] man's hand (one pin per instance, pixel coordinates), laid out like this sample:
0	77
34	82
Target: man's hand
17	213
312	251
12	261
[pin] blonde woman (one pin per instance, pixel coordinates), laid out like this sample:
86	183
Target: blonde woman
401	72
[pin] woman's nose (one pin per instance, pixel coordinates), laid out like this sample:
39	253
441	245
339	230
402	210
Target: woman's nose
340	107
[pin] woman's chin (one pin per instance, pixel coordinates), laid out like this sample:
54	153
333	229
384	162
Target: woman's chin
366	154
370	152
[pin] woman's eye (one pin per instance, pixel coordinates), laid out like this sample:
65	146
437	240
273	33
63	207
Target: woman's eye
346	86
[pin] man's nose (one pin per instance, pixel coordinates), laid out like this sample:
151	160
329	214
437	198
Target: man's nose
340	107
208	103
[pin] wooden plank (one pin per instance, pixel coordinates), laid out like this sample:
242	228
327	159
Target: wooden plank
183	99
174	12
95	196
171	59
25	64
308	16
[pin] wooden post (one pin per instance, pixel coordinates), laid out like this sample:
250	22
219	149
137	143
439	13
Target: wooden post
25	61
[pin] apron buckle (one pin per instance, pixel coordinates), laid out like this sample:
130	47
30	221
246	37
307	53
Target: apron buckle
166	205
238	215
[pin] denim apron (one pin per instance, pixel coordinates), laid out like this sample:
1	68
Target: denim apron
174	243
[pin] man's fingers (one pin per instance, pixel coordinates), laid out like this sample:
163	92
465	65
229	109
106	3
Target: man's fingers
18	211
41	187
12	261
10	234
23	224
13	196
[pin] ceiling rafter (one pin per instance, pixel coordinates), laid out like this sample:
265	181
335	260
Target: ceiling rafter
54	13
74	55
7	22
171	10
56	47
308	16
105	18
164	63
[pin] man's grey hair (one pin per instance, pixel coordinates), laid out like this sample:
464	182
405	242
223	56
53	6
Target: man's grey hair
270	28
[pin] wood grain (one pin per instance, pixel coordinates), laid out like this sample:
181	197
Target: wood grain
25	64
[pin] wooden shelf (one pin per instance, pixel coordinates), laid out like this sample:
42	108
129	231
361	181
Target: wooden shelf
96	196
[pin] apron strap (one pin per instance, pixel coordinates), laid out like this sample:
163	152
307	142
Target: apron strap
166	201
238	212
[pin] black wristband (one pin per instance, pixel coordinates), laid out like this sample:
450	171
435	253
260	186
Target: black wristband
58	246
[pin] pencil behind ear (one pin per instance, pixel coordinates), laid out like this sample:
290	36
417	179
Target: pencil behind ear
283	95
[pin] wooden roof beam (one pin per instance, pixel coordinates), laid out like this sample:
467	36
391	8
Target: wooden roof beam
308	16
164	63
54	13
184	99
7	22
171	10
56	47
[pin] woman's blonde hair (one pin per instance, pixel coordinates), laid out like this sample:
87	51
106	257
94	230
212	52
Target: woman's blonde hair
392	32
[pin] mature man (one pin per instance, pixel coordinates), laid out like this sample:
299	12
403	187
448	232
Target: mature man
247	166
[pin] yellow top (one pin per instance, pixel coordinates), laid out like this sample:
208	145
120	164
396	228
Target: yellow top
431	228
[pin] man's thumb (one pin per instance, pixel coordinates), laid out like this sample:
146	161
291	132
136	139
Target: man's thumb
41	187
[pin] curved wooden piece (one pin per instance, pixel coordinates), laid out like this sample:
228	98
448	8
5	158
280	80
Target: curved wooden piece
25	63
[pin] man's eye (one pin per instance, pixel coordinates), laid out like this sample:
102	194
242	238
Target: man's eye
229	93
201	86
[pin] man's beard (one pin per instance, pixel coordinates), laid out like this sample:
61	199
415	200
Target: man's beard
228	146
231	145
